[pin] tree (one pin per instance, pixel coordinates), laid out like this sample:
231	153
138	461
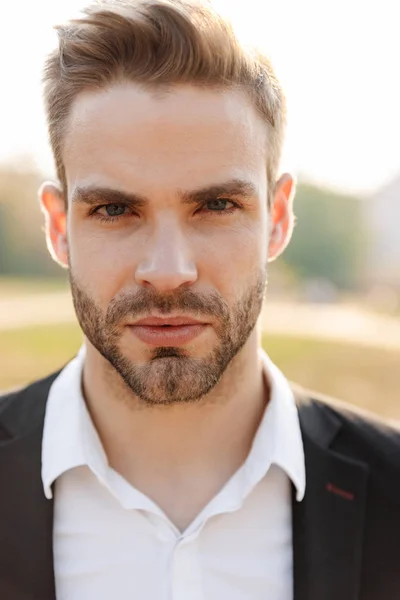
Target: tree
22	244
329	237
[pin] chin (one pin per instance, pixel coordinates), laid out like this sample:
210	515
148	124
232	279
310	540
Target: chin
167	375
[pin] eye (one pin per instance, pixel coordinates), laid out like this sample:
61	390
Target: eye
219	205
114	210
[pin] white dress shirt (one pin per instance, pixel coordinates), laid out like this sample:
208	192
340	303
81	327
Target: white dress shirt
112	541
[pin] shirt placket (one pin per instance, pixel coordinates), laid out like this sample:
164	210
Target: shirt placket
186	581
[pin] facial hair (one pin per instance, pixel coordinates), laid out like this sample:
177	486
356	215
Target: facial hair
171	375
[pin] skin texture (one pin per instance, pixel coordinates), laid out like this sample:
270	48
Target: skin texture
170	410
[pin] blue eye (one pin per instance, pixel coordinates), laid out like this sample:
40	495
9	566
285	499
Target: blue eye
219	204
115	210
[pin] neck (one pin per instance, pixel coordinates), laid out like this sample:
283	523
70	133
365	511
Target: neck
179	441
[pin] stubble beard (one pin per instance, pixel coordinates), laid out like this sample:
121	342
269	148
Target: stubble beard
170	375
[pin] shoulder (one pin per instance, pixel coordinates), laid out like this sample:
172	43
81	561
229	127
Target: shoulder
9	396
23	407
354	431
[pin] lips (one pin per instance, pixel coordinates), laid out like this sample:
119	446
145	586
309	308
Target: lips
167	331
167	321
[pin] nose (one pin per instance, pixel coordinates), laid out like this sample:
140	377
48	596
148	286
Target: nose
168	263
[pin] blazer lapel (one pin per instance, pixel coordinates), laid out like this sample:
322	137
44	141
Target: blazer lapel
328	524
26	549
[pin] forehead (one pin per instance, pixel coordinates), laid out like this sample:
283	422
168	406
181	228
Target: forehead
183	138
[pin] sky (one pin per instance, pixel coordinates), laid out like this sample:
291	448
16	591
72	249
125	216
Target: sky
338	61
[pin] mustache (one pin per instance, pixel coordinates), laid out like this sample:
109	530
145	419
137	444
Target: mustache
185	301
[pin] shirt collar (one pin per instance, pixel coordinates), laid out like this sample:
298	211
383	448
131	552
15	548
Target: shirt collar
70	439
278	439
63	446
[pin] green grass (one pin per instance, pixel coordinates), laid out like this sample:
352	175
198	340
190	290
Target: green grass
366	377
23	286
32	352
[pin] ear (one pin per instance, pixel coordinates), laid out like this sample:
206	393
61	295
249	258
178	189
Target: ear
281	216
54	209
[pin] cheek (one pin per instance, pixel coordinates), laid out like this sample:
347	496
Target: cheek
100	263
234	259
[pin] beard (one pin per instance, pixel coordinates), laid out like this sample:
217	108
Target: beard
170	375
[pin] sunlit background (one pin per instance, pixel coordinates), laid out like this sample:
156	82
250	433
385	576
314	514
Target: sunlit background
332	320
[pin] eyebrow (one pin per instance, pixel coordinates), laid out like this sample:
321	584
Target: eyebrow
235	187
93	195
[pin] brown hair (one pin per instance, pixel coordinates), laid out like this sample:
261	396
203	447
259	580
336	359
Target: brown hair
156	43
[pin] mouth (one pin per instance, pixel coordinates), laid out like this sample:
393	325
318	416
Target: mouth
167	331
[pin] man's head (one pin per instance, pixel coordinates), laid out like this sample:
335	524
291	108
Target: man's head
167	136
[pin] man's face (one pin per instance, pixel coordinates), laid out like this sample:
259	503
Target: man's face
168	222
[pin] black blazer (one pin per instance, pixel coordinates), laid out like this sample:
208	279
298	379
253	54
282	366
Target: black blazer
346	531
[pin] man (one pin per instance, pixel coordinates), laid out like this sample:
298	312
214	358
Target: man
171	460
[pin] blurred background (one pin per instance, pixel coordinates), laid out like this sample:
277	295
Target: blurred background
332	320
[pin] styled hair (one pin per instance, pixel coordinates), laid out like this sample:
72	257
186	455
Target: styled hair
157	43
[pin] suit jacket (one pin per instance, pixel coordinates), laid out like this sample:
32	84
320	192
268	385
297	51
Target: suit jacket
346	531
